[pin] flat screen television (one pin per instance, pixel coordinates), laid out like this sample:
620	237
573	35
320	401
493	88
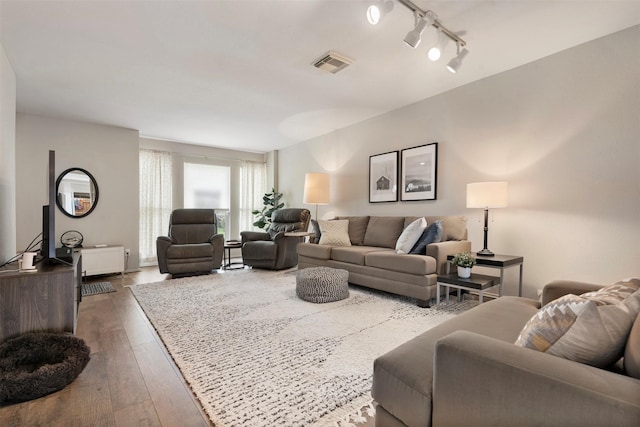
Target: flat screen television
48	246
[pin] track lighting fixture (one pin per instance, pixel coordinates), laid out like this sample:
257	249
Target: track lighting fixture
423	19
455	64
376	11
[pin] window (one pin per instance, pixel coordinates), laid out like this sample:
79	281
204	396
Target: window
208	186
175	180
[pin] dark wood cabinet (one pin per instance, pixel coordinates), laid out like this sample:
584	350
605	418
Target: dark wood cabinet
44	300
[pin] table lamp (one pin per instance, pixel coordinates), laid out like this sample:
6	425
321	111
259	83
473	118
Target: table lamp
487	195
316	189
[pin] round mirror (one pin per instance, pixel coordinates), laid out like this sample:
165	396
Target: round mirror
77	192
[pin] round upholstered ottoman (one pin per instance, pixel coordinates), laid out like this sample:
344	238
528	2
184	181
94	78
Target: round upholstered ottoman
322	284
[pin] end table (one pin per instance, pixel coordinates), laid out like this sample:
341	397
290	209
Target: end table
497	261
226	255
477	282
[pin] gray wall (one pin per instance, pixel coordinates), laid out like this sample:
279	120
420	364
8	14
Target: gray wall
7	158
564	131
110	154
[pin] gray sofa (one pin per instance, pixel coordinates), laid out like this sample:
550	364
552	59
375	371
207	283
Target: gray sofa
372	261
467	372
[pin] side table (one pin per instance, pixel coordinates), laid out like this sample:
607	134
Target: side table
226	255
498	261
477	282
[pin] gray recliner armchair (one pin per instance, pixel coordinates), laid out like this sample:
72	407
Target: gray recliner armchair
272	249
193	245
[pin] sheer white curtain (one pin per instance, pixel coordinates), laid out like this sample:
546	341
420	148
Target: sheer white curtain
253	185
155	201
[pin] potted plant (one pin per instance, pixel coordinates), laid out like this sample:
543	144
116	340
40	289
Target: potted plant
271	203
464	261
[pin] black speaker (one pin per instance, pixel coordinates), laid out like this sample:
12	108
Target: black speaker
64	254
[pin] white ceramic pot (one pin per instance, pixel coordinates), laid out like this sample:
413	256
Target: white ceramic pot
464	272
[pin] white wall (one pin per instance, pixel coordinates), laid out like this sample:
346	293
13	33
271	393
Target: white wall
110	154
564	131
7	158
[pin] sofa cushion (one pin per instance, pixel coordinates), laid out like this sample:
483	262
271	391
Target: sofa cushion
591	328
383	231
404	263
631	360
334	233
199	250
410	235
432	234
454	228
259	250
354	254
357	228
314	251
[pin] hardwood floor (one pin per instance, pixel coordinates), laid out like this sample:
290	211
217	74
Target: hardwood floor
130	379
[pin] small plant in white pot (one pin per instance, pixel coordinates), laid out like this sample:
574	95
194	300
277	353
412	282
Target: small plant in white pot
464	261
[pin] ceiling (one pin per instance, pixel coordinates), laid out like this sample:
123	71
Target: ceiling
237	73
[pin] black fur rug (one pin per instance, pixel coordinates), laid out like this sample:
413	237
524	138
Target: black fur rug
36	364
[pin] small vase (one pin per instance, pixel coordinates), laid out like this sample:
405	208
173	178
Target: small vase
464	272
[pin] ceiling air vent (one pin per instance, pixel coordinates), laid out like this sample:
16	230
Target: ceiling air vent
332	62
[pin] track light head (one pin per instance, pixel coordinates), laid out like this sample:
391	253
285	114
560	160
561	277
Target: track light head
436	50
378	10
414	36
434	53
455	64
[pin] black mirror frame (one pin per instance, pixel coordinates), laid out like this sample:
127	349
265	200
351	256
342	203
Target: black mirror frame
95	185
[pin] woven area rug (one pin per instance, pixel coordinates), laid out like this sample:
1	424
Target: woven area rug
256	355
96	288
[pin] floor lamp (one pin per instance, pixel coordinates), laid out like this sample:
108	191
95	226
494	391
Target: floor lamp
316	189
487	195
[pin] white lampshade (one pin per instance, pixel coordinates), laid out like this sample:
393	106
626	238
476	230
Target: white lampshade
487	195
316	188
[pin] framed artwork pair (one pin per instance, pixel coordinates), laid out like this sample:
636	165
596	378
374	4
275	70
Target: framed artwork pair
415	179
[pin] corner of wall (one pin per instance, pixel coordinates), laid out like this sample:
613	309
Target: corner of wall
7	158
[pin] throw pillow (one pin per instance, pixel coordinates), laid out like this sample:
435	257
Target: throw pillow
614	294
591	328
334	233
410	236
383	231
432	234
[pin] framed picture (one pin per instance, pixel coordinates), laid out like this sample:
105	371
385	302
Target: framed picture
419	172
383	177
